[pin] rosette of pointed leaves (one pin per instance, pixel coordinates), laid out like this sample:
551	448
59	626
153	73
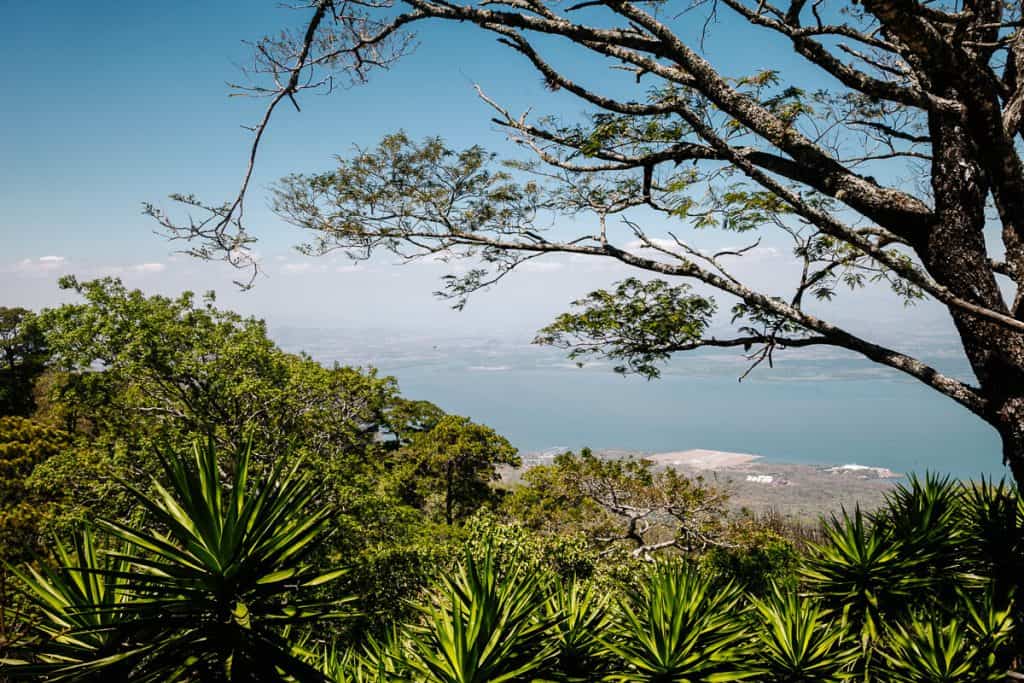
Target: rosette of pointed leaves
930	648
579	615
796	641
219	581
206	591
924	517
373	661
483	628
680	626
862	575
80	608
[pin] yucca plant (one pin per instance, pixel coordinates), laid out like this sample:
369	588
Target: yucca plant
797	643
930	649
80	609
993	542
220	581
579	615
210	584
924	516
862	575
482	628
679	625
373	661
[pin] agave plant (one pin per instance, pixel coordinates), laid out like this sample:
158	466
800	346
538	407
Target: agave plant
81	609
374	661
680	626
924	516
933	649
797	643
209	586
993	542
482	628
862	574
579	614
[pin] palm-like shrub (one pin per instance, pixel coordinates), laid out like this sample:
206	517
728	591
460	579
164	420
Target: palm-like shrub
81	608
796	642
993	540
482	627
375	661
862	575
680	626
931	649
924	516
579	615
204	593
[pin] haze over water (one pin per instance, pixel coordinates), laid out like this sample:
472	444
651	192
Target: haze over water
813	408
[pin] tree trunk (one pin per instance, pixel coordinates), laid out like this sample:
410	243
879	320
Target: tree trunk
954	252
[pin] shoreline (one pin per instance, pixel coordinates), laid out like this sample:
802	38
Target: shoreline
799	491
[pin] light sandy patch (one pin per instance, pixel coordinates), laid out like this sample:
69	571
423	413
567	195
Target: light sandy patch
703	459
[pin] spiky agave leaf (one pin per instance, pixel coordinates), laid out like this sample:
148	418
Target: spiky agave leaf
925	517
211	590
483	627
993	542
374	661
932	648
796	641
81	609
579	615
680	626
862	575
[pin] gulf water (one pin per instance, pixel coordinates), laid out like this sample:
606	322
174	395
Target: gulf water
824	408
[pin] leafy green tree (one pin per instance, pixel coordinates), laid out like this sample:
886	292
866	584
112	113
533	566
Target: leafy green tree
23	357
452	467
24	444
890	170
132	371
150	368
622	501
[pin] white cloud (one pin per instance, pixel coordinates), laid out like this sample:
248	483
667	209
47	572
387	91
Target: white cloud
43	264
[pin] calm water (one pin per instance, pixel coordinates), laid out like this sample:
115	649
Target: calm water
818	409
890	424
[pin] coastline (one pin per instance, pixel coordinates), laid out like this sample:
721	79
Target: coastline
804	493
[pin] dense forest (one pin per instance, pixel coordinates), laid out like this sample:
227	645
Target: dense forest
182	500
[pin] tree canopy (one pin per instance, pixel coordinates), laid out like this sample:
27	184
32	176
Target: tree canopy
898	162
23	357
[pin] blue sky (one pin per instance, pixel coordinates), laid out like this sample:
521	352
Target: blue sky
110	104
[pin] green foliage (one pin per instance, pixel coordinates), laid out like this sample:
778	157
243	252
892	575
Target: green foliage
24	444
24	508
483	627
208	587
172	369
579	614
450	468
756	559
796	642
677	626
930	649
621	502
82	606
862	575
640	323
23	357
560	557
